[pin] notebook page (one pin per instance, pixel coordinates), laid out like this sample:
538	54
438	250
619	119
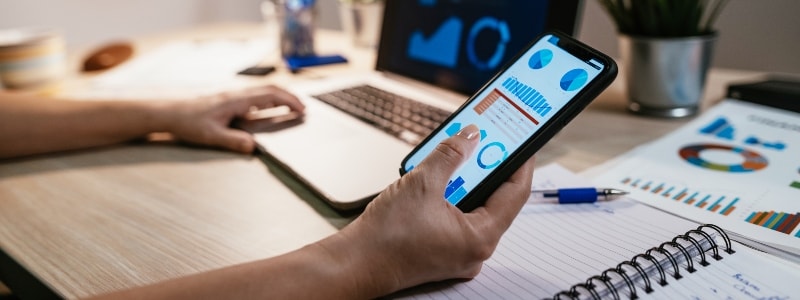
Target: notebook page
550	247
746	274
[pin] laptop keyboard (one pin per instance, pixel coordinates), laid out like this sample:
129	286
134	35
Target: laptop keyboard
406	119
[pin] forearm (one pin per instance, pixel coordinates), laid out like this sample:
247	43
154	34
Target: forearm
406	236
324	270
32	125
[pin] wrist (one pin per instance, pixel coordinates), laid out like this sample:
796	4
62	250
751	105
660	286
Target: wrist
366	268
165	116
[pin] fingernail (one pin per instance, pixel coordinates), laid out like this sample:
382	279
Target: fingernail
469	132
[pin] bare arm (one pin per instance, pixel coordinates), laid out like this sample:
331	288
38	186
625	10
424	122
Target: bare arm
34	125
407	236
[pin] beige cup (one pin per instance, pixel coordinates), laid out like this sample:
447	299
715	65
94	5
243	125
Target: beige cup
31	58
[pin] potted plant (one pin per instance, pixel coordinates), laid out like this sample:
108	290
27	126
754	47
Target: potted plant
666	48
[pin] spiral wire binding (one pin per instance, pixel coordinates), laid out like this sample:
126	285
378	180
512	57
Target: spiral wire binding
591	287
687	257
606	281
696	244
625	277
672	261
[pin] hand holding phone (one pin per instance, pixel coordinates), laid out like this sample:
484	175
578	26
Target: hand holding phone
518	111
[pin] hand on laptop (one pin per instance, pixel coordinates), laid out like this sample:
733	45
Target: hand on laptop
31	124
207	121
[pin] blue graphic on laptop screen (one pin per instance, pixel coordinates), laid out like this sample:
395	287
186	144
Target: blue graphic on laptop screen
462	43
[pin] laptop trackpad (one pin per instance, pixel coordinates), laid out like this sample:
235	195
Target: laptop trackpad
341	158
356	167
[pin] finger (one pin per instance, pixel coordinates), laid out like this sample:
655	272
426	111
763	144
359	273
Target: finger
505	203
234	140
448	156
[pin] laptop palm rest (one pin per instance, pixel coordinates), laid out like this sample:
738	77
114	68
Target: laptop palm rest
347	164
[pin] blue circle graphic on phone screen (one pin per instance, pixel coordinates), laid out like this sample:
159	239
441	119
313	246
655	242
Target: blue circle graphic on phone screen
540	59
574	80
492	155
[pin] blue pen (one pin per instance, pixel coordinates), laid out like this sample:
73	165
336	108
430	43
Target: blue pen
581	195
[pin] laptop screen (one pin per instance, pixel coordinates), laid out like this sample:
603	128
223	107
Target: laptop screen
461	44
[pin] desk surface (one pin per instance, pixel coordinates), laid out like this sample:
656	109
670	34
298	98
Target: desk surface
89	222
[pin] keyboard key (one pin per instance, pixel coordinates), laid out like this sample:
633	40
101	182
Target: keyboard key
403	118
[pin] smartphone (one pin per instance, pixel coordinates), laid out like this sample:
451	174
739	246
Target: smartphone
518	111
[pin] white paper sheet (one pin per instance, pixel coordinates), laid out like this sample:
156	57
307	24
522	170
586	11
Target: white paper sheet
737	166
180	70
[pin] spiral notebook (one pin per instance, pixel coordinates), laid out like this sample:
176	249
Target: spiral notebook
567	252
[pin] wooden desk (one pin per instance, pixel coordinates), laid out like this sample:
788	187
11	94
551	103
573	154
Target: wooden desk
100	220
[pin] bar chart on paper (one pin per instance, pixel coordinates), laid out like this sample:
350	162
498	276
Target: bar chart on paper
778	221
719	204
737	165
752	210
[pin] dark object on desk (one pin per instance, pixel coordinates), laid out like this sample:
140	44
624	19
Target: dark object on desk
295	63
108	56
781	93
270	123
257	71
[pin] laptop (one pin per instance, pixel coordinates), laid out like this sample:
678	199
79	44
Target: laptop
432	55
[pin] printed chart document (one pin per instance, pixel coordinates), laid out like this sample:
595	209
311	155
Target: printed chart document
736	166
551	247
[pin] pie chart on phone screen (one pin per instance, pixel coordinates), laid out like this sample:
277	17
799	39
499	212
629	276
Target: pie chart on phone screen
574	80
540	59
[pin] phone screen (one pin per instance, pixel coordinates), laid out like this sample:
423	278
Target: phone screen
511	109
